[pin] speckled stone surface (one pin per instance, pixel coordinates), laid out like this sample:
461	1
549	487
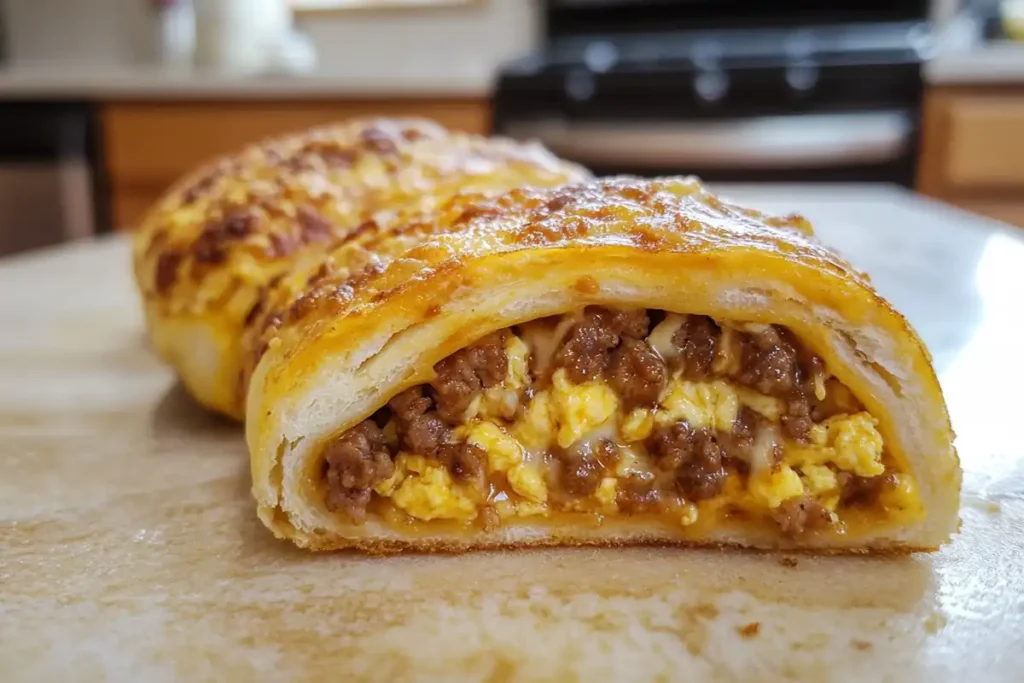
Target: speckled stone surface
129	547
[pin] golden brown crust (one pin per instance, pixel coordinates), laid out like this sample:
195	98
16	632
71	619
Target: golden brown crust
646	215
208	248
378	320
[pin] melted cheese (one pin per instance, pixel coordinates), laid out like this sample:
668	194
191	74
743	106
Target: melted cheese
728	357
544	338
606	493
902	496
762	451
689	515
660	338
769	407
535	427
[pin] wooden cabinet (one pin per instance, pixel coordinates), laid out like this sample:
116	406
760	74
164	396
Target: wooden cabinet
149	145
972	150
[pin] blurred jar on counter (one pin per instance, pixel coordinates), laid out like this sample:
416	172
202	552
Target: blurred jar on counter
249	36
176	31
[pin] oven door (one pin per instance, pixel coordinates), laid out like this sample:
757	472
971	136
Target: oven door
872	145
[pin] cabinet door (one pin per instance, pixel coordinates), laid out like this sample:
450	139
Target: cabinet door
971	150
149	145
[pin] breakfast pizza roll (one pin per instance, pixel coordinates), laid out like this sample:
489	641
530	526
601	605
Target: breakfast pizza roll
621	361
209	248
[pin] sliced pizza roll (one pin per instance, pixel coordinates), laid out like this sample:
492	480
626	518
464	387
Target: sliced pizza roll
621	361
214	243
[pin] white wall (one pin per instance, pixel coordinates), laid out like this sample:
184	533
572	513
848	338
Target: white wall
466	43
85	32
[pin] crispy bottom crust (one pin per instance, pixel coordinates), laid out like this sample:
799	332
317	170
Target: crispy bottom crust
384	547
446	546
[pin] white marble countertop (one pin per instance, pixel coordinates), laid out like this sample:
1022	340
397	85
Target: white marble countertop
130	549
155	82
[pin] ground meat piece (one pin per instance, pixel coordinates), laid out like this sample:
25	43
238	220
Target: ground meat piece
636	495
167	270
697	341
637	373
797	515
586	351
352	502
736	444
210	247
797	422
693	455
424	435
202	186
466	462
632	324
856	491
771	363
582	466
409	404
314	227
239	223
422	431
463	374
379	141
356	461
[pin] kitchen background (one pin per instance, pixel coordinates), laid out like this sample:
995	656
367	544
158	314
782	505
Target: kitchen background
104	103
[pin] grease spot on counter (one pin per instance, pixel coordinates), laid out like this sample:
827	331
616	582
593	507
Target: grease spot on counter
934	623
749	630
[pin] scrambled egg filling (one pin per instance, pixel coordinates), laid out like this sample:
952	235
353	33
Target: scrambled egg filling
516	438
425	490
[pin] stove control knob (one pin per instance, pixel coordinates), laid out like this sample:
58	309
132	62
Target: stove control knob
601	56
711	85
802	77
579	85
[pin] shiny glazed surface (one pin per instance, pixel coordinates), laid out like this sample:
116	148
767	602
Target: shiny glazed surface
129	549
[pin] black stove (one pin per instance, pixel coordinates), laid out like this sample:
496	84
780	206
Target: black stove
728	90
